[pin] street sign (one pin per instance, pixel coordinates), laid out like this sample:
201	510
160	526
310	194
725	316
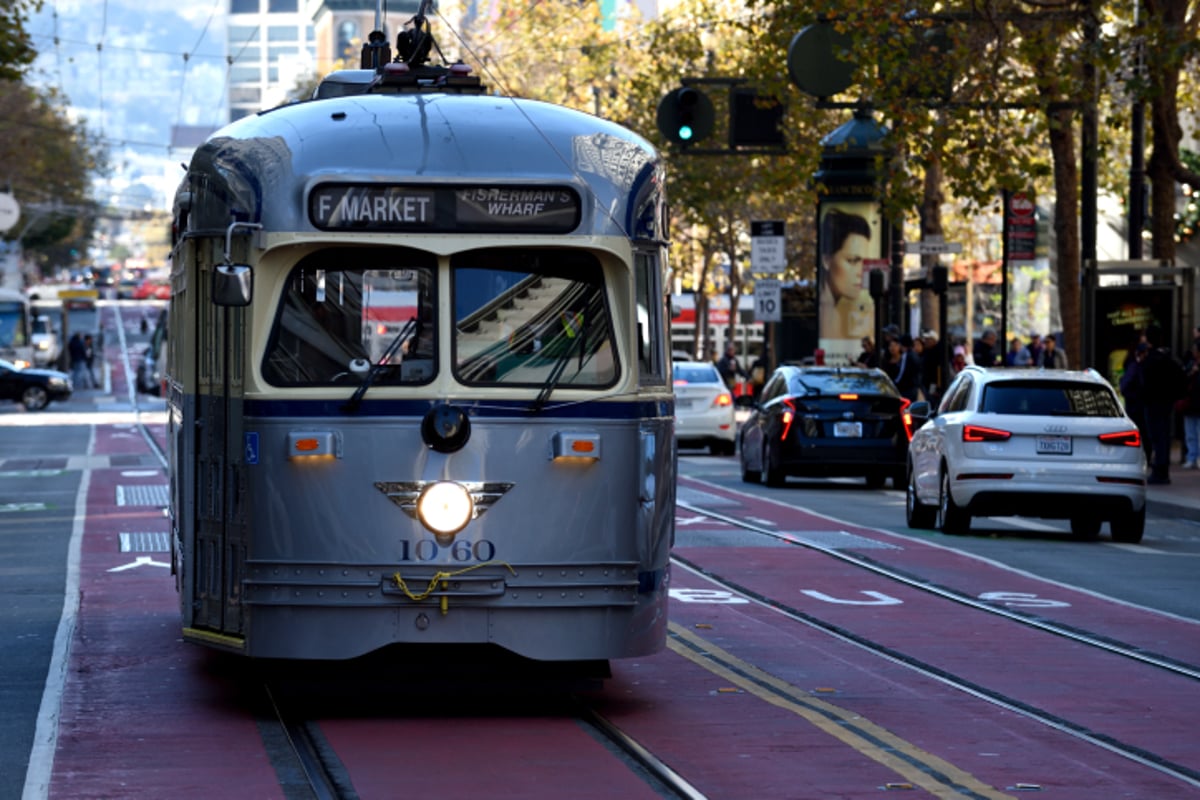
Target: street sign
768	247
927	248
768	302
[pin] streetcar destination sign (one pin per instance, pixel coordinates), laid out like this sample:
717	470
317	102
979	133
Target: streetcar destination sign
432	209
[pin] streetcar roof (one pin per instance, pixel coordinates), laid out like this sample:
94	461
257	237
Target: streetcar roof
422	138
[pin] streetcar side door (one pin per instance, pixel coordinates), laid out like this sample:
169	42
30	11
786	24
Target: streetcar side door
221	452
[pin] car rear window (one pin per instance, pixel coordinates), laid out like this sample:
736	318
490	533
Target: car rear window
835	382
696	373
1050	398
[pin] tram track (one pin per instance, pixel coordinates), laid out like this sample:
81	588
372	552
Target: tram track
667	781
957	682
1125	650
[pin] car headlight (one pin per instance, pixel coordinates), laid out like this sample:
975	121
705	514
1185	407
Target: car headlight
59	383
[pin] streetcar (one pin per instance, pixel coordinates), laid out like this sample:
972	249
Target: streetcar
418	378
16	332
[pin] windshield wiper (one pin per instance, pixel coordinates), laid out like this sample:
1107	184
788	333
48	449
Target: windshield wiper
560	366
408	331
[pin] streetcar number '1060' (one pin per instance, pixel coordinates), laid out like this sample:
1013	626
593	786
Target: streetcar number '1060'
461	550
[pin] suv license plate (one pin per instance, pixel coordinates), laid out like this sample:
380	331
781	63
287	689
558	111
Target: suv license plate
1054	445
848	429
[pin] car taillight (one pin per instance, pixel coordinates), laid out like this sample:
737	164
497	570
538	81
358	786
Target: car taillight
789	414
906	418
847	397
1128	438
978	433
723	399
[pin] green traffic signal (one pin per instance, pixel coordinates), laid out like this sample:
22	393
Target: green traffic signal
685	115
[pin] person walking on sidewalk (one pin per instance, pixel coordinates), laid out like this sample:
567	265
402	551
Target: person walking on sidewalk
1163	382
1190	408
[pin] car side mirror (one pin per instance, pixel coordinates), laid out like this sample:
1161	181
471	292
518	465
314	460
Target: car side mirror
921	411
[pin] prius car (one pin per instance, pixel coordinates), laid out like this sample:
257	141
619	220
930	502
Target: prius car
826	422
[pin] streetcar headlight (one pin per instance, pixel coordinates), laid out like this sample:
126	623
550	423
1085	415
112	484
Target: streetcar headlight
445	507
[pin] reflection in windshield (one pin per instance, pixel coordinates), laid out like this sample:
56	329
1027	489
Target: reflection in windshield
534	318
340	311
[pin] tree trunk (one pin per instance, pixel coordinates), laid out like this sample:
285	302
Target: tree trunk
931	225
1066	229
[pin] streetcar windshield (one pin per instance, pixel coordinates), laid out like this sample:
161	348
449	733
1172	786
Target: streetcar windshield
531	318
341	308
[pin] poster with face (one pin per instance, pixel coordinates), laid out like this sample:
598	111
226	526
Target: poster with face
849	239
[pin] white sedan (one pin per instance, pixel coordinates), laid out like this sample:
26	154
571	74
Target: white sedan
704	414
1028	442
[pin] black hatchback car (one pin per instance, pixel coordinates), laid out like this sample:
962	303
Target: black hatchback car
826	422
34	388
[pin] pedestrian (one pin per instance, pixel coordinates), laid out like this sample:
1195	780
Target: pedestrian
1133	391
1018	355
729	367
758	373
1052	357
869	357
1035	348
932	366
984	350
77	355
904	367
89	358
958	361
1189	407
1163	382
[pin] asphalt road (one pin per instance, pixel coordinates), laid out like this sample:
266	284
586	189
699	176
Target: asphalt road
1163	572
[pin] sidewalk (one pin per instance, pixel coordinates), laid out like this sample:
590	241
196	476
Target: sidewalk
1182	497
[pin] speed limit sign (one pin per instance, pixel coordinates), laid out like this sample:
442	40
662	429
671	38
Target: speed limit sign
767	301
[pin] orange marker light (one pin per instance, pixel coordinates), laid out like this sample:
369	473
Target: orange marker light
583	446
307	445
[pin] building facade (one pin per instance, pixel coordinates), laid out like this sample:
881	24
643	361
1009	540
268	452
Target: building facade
271	48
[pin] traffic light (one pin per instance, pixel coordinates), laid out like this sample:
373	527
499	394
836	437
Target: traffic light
685	116
754	122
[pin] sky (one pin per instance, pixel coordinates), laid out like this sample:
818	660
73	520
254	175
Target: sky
132	70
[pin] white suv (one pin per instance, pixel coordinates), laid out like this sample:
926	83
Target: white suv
1028	442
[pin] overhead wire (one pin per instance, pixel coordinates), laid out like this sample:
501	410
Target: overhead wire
186	60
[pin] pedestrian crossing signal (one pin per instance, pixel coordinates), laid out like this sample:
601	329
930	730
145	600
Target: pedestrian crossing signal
685	116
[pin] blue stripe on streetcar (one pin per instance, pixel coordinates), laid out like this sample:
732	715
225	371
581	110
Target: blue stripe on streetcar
639	409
